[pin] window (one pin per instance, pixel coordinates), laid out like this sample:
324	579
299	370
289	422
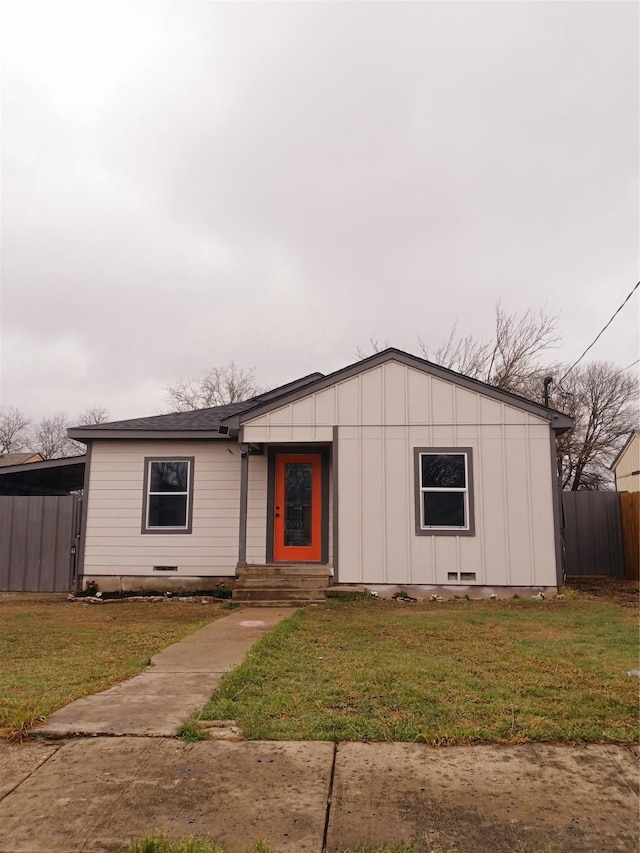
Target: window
444	491
168	495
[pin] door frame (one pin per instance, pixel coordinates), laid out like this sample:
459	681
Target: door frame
322	450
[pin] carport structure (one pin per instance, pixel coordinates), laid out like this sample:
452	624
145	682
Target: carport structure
40	524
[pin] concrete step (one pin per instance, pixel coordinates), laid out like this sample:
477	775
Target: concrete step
286	594
340	590
287	583
284	570
281	582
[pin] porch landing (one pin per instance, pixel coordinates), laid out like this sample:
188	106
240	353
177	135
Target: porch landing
282	583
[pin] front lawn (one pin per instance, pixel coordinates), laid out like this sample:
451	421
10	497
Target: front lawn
452	672
54	652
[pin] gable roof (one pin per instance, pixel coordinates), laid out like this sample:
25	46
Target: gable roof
200	422
559	421
223	422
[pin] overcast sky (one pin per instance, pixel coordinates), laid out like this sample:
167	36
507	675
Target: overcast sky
188	183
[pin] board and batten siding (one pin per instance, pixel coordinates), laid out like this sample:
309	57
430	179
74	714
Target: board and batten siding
384	413
114	542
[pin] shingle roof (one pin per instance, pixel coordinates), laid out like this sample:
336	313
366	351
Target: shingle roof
201	419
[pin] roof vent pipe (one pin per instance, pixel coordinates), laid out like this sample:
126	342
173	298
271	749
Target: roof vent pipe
547	381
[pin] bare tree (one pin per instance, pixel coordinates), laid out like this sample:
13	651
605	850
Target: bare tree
601	398
375	346
49	438
93	415
464	355
13	430
604	402
216	387
509	360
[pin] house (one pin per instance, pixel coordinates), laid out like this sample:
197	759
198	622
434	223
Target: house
626	465
393	473
18	458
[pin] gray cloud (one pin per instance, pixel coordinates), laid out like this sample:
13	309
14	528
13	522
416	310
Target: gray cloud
188	183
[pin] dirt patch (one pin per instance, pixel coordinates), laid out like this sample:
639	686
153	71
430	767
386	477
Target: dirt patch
619	590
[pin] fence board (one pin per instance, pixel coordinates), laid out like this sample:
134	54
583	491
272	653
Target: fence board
593	534
36	537
630	517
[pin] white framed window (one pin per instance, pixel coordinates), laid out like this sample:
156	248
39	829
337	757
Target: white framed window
444	491
168	495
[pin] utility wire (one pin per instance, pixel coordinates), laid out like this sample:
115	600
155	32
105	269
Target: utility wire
633	290
633	364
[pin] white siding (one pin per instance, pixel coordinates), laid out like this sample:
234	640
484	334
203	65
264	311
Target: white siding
114	542
626	480
382	414
257	510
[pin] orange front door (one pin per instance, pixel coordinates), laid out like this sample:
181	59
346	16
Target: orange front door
297	528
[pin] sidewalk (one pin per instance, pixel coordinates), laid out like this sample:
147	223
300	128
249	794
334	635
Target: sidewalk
179	680
93	794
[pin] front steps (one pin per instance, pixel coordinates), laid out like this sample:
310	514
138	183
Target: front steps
282	583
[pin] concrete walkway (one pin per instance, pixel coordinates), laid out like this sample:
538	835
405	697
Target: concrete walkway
178	681
93	794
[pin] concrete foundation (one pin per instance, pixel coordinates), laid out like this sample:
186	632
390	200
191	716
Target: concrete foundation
159	583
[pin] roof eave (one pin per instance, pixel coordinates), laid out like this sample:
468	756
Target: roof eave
561	424
44	465
158	434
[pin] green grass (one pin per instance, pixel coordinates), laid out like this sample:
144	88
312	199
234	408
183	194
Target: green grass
457	672
190	731
157	842
54	652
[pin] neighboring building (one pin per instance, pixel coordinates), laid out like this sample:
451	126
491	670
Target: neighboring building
37	477
626	465
18	458
392	472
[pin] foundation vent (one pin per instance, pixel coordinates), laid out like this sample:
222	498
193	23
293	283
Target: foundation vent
463	577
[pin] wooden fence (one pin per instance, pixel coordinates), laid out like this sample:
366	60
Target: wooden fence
630	519
39	539
601	533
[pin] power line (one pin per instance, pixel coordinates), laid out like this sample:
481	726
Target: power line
604	328
633	364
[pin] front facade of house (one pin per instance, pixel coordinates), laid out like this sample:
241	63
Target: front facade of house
393	472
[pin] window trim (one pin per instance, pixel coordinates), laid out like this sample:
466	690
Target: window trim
470	529
145	496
